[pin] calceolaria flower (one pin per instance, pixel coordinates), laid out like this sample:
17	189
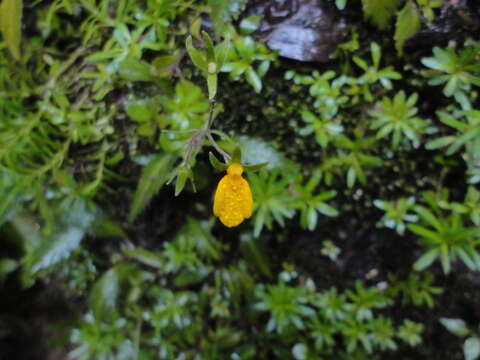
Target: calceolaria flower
233	200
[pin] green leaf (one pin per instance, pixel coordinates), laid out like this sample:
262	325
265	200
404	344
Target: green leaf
153	177
432	63
237	155
7	266
327	210
408	23
223	12
263	68
53	248
255	167
139	110
221	52
471	348
254	80
445	258
341	4
48	249
426	259
424	232
376	54
104	295
212	85
146	257
428	217
135	70
465	257
439	142
379	12
104	227
253	252
249	24
457	327
183	174
209	48
351	177
217	164
189	277
196	56
300	351
246	48
10	25
256	150
311	218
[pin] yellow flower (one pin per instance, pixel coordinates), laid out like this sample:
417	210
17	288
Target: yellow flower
233	200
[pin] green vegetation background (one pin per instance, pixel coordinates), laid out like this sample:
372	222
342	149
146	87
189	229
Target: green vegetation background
365	234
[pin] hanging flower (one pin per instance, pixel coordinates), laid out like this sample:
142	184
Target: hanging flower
233	201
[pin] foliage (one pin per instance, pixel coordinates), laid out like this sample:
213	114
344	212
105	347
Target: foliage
457	71
244	53
379	12
311	204
465	137
10	25
408	23
103	103
397	117
353	156
410	332
272	200
323	129
328	94
154	175
397	213
416	289
373	74
458	327
428	8
446	236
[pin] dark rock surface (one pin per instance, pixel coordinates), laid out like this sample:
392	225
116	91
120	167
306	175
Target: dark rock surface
304	30
458	20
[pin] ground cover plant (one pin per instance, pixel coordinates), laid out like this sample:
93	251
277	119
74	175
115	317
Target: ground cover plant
174	186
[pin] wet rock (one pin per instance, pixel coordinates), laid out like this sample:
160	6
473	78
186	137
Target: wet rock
304	30
457	20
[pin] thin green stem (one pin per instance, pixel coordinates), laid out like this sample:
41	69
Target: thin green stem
226	157
137	336
211	113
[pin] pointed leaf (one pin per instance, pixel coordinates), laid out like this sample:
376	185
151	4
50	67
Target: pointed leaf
209	48
471	348
408	23
105	292
217	164
196	56
255	167
221	52
153	177
10	25
183	174
237	155
426	259
212	85
136	70
254	80
379	12
253	252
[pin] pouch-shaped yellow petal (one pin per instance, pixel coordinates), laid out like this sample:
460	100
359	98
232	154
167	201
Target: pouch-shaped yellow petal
233	200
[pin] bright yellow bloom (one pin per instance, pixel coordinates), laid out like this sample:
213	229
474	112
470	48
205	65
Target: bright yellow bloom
233	199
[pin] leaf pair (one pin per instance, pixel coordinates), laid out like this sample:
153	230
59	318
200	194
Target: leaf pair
210	61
